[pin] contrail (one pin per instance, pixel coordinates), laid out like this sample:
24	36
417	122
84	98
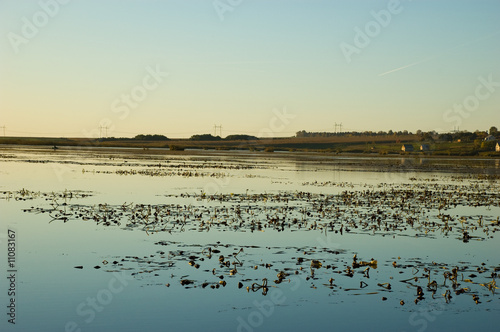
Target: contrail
237	63
439	55
407	66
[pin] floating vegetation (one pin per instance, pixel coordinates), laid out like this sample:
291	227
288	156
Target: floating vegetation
478	185
395	211
160	172
409	280
24	195
329	184
117	160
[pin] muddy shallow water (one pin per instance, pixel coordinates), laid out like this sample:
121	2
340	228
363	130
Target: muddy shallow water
218	241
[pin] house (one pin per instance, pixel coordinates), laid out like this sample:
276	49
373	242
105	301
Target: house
490	138
497	148
425	147
407	147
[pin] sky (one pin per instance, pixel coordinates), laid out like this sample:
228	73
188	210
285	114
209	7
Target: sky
94	68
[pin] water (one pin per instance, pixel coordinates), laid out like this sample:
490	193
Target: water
284	210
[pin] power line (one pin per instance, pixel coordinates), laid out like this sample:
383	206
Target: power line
100	131
339	125
220	130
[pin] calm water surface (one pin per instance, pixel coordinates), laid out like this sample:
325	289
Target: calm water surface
266	214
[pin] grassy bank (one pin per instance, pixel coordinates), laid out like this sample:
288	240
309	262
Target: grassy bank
379	145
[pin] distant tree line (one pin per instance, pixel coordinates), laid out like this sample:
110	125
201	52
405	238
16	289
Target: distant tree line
141	137
240	137
209	137
466	136
205	137
304	133
463	136
151	138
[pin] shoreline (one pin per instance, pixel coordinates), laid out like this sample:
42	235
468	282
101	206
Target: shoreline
307	155
372	146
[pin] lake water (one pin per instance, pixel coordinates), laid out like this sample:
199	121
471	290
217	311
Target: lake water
134	240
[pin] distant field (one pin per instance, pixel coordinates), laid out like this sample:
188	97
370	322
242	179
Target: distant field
379	145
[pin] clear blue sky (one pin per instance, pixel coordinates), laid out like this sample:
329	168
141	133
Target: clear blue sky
67	69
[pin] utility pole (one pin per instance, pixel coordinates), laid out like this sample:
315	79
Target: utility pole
3	130
105	130
220	130
338	125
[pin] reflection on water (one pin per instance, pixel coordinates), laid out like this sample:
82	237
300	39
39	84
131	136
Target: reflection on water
111	240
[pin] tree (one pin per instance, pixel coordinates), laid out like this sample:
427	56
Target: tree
301	133
493	131
488	146
154	137
481	134
240	137
205	137
478	142
428	137
441	137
